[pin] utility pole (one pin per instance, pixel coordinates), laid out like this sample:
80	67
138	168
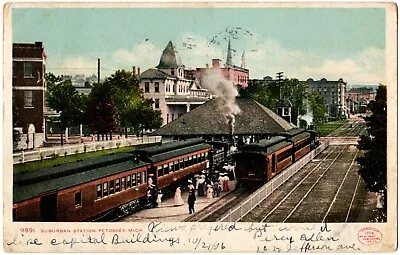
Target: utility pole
98	71
279	76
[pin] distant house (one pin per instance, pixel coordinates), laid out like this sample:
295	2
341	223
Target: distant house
357	97
172	92
28	93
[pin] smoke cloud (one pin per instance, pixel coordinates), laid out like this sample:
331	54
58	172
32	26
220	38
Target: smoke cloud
225	91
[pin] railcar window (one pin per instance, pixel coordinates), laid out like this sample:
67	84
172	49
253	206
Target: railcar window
133	180
190	160
160	171
181	165
203	158
122	183
144	177
166	169
194	159
117	185
128	181
171	167
139	178
105	189
99	191
186	162
78	198
176	167
111	187
284	155
206	155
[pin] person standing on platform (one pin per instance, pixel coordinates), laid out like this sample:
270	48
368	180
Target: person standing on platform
216	189
201	187
191	200
225	184
178	201
209	192
190	185
159	196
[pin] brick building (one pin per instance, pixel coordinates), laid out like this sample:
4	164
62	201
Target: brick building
239	76
28	92
356	97
333	94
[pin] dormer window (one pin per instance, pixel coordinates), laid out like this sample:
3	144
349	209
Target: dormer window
172	72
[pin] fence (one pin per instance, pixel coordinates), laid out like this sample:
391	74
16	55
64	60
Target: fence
262	193
45	153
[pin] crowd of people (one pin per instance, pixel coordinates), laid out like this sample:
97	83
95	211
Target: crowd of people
204	184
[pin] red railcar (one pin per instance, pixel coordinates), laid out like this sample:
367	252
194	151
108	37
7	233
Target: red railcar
91	188
261	161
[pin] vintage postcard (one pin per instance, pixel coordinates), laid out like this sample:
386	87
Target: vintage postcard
200	127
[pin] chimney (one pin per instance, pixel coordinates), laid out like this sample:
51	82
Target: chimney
134	70
138	70
216	63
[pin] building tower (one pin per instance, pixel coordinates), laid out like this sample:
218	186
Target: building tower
229	54
243	62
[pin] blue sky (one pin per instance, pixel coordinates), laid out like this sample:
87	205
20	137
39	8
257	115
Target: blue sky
334	43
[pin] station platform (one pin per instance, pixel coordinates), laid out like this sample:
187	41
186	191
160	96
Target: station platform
167	211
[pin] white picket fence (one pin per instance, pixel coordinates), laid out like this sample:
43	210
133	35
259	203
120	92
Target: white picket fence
45	153
262	193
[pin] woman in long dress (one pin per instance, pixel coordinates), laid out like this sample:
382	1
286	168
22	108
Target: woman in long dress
225	186
210	192
178	197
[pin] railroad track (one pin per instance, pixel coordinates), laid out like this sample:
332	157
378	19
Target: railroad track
217	209
319	194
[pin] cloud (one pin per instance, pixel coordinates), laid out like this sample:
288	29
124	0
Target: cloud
144	55
365	67
263	57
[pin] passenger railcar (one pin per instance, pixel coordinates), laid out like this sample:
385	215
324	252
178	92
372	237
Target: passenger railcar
91	188
261	161
175	161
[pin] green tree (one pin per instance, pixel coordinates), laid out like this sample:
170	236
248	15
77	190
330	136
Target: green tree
125	92
101	111
318	109
373	162
296	92
144	117
62	97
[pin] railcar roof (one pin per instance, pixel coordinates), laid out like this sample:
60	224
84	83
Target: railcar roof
23	192
300	136
70	168
266	145
179	152
166	147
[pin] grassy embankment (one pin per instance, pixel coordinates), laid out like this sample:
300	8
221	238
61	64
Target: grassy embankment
34	165
329	127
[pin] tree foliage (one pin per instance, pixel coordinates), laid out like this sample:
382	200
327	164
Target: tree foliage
62	97
117	103
373	163
267	93
318	109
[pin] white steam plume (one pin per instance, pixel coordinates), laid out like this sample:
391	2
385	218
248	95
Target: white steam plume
225	91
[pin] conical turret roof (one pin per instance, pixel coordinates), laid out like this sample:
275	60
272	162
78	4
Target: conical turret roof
169	58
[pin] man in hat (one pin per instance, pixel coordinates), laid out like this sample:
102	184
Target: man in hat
191	199
190	185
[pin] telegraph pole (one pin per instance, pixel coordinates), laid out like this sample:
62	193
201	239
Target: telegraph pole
98	71
279	76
